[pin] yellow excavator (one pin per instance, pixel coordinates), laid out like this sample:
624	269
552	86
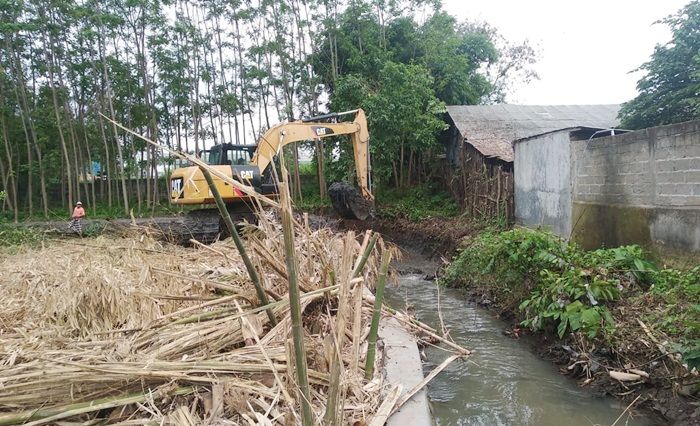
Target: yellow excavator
253	165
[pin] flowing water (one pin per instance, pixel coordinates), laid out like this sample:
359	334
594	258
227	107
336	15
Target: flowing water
503	382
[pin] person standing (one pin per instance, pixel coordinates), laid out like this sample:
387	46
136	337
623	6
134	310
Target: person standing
76	222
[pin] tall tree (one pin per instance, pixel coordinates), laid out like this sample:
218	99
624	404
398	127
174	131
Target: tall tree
669	92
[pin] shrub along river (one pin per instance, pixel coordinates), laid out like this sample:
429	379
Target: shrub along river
503	382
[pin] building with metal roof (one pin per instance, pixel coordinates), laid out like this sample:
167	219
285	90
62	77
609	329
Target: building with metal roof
479	147
491	129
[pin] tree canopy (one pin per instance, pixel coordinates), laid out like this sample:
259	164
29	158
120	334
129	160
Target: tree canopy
669	92
196	73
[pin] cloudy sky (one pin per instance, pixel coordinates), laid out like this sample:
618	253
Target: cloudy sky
587	48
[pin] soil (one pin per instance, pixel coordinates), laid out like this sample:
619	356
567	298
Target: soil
435	237
668	396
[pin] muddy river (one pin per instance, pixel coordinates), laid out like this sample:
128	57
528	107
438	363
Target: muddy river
503	382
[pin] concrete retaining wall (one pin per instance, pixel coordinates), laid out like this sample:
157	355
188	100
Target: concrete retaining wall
402	365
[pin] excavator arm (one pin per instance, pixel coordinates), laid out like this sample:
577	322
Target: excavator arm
282	134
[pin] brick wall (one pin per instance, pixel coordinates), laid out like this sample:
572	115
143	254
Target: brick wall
649	178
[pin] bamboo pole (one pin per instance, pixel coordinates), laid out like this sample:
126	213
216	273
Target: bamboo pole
365	255
295	304
46	415
223	211
334	389
378	300
408	395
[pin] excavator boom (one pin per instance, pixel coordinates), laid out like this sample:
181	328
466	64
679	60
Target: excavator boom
282	134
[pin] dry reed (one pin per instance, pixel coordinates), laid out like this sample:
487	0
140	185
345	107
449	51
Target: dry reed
129	329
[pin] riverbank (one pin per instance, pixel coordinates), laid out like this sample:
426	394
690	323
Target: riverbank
504	381
650	322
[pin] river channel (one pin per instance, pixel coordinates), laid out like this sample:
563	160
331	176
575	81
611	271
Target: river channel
503	382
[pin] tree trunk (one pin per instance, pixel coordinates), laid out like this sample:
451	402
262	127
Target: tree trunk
106	159
401	166
12	188
64	147
120	154
321	159
297	177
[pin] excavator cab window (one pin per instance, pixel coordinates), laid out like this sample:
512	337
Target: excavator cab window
204	155
240	157
228	154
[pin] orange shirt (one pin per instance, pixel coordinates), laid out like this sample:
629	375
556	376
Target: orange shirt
78	212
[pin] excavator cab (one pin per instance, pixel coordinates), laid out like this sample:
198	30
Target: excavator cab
228	154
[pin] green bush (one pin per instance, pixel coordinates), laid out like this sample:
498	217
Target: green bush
416	203
13	235
553	282
680	318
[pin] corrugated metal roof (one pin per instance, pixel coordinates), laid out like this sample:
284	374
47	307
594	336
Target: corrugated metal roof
491	129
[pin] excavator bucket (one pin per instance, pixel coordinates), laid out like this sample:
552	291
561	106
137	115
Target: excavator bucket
348	201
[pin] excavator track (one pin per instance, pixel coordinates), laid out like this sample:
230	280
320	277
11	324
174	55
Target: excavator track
206	225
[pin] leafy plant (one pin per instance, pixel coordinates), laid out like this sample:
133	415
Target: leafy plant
13	235
416	203
671	77
550	280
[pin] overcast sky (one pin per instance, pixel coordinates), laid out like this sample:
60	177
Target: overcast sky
587	48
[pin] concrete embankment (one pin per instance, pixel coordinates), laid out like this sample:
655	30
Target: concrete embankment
402	366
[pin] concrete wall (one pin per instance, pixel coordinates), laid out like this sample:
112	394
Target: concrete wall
641	187
543	182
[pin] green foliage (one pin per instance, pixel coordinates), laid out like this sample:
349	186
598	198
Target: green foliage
556	284
668	93
470	63
680	313
552	281
312	202
453	54
311	199
93	229
416	203
192	73
14	236
402	112
402	72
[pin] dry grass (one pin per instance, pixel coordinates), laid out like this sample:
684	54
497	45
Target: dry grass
129	329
